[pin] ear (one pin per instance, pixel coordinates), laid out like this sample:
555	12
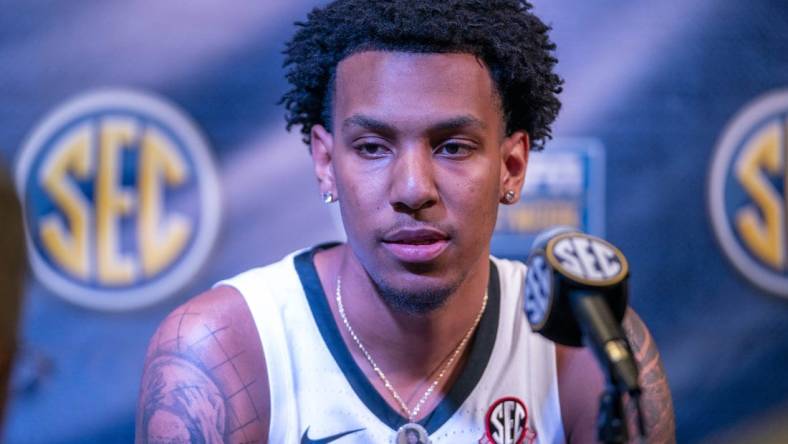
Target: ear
322	148
514	160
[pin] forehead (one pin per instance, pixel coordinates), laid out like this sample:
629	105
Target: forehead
409	88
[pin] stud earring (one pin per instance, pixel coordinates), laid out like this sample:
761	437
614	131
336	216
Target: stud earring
328	197
509	196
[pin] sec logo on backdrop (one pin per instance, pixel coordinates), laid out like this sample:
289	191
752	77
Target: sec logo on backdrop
748	192
121	199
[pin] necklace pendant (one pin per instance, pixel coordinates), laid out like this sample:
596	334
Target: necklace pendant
412	433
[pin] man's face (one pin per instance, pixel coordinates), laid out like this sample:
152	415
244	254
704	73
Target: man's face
419	161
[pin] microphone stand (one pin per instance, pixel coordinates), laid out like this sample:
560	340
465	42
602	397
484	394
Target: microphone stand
600	327
612	426
611	422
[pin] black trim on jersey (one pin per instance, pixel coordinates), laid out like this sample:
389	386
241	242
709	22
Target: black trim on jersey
480	350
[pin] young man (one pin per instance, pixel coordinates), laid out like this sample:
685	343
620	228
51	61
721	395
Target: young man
419	116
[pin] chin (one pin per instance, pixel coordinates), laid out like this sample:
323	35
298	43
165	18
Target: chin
416	294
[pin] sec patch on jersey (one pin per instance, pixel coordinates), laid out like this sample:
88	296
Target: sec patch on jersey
506	422
748	192
121	199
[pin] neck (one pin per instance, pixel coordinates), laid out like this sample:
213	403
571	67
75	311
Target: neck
407	346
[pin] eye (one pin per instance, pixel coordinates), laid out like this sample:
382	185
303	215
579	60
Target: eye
454	150
371	150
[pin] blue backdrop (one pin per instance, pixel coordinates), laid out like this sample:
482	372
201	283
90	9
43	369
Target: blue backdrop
656	83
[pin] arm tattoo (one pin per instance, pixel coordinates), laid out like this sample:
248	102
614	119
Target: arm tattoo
195	388
655	399
182	405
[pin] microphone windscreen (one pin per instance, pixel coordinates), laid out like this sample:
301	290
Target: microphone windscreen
563	264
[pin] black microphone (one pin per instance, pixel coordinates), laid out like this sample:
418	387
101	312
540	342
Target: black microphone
576	294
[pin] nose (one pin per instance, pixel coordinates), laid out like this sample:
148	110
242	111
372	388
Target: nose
413	180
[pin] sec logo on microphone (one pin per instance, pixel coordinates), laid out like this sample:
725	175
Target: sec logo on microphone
587	259
747	192
121	199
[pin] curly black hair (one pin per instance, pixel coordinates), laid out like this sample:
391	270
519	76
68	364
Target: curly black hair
504	34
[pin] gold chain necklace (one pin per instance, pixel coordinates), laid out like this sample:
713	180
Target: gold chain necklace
415	411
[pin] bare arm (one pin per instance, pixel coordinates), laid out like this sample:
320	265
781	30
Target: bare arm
656	401
205	377
581	382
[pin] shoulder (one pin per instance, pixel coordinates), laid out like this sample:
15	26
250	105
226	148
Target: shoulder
205	374
580	383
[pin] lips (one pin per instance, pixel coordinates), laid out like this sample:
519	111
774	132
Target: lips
416	245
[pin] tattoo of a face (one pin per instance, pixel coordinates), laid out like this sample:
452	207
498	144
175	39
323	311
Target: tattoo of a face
198	385
182	404
655	401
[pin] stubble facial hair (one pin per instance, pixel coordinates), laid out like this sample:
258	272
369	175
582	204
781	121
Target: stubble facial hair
415	302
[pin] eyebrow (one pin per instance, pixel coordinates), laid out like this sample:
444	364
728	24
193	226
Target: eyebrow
450	124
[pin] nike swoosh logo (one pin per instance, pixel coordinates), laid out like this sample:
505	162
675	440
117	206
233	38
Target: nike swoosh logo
305	439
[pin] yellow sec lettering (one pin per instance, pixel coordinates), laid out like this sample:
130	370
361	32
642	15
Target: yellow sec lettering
161	238
764	237
121	199
113	202
68	246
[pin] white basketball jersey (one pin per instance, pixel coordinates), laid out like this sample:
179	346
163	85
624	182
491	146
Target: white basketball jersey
507	392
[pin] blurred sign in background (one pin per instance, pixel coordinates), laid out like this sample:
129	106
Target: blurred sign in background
656	93
565	186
